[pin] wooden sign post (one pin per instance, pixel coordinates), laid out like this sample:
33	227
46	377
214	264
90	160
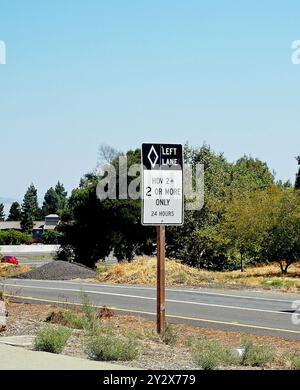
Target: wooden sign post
161	294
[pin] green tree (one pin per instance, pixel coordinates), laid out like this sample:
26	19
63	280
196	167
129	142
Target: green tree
30	209
297	183
246	222
282	243
55	200
15	213
198	241
97	226
2	215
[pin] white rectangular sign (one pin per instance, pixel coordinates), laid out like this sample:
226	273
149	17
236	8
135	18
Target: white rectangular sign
162	184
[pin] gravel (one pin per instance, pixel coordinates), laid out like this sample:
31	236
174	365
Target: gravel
59	270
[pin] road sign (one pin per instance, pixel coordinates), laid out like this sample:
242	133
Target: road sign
162	184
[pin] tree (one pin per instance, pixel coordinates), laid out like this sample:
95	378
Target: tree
246	222
55	200
297	183
282	242
15	212
106	154
98	227
30	209
2	215
198	242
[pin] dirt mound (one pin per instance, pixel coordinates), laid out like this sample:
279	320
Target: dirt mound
143	271
59	270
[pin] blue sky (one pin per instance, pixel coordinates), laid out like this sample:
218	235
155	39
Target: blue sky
82	73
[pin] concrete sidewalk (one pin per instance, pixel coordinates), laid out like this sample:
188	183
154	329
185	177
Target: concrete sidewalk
16	358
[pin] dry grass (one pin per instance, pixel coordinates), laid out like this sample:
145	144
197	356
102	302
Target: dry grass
143	271
11	270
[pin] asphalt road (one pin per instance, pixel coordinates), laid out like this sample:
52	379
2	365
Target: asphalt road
246	311
35	263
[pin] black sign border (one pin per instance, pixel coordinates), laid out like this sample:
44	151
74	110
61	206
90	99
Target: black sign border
142	187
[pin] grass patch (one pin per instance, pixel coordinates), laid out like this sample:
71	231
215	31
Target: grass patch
255	355
11	270
112	348
52	339
277	283
101	268
210	355
294	359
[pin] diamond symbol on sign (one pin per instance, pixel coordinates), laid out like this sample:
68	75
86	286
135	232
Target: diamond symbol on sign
152	156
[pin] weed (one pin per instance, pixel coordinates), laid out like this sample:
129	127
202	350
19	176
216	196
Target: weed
52	339
170	335
111	348
255	355
209	355
90	314
294	359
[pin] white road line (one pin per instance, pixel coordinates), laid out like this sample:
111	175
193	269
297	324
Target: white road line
168	289
149	298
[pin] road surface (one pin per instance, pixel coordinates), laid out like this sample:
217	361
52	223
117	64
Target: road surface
34	263
263	313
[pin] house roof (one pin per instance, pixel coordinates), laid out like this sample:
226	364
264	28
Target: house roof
38	224
7	225
16	225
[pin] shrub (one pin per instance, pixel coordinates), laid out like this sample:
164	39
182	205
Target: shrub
295	361
108	348
52	237
14	237
255	355
170	336
209	355
52	339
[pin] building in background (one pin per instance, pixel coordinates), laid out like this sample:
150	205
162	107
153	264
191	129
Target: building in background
39	227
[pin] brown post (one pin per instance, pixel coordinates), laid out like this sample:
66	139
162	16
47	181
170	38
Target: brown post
161	311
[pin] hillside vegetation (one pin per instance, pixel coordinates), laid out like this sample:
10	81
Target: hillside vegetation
143	271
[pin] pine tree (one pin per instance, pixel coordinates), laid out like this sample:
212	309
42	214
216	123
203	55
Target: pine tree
55	200
30	209
14	212
297	183
2	215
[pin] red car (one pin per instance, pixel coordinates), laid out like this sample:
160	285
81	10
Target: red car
10	260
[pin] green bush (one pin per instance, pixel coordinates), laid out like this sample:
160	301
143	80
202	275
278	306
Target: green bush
14	237
52	339
52	237
255	355
209	355
108	348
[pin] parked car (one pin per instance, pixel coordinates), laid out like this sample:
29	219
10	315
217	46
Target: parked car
10	260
